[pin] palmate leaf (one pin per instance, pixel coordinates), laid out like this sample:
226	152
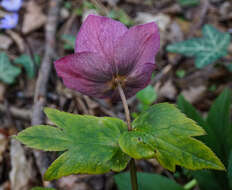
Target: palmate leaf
212	46
165	133
8	72
90	143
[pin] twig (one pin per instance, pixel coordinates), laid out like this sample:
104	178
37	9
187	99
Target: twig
16	112
200	17
44	73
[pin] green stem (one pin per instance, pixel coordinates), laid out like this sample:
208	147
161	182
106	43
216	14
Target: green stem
132	166
190	184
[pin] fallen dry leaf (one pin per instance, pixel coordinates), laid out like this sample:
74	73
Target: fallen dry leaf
18	40
193	93
5	42
33	18
168	90
21	173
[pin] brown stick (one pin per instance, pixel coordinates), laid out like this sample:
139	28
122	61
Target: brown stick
17	112
44	73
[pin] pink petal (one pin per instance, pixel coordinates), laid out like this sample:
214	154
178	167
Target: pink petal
137	46
85	72
99	34
139	78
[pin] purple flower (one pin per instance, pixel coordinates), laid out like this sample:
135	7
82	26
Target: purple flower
9	21
11	5
107	52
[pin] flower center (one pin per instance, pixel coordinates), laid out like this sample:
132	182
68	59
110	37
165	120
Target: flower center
116	80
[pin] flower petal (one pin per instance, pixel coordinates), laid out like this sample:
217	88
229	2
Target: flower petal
9	21
99	34
138	45
85	72
139	78
11	5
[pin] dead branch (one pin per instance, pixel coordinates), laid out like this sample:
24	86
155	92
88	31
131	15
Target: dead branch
43	77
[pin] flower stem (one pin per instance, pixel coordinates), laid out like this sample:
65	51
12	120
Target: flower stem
125	105
132	166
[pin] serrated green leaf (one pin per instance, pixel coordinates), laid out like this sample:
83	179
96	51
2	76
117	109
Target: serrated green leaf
27	63
167	134
8	72
147	96
212	46
146	181
216	140
211	138
91	143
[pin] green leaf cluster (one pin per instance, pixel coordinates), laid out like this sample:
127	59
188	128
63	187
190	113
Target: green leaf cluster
8	72
146	181
96	145
218	126
206	50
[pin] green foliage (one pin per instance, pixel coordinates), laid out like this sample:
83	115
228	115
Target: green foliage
85	5
91	143
180	73
229	67
208	49
230	169
188	3
8	72
146	181
69	41
147	96
165	133
42	188
121	15
27	63
219	129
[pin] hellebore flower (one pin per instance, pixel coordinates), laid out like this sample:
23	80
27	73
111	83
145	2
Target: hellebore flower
108	53
9	21
11	5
